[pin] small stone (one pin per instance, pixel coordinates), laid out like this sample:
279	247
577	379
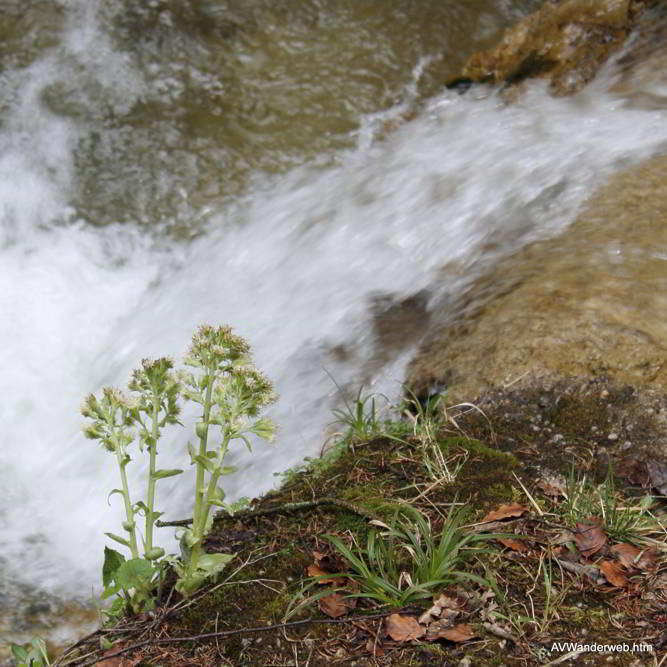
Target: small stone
612	436
604	394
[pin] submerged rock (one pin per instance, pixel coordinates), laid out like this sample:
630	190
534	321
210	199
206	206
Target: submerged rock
566	41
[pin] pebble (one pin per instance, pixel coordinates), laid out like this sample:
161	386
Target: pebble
612	436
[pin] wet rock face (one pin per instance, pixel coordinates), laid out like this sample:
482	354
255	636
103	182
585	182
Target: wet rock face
589	303
565	41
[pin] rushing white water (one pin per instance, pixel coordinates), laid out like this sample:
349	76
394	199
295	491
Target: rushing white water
292	266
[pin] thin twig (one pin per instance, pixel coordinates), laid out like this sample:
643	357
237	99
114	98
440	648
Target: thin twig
287	508
228	633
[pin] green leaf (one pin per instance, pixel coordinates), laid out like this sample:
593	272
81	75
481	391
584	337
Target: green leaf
19	652
264	428
154	553
192	451
205	462
161	474
211	564
117	538
109	591
228	470
136	573
111	494
112	561
105	644
39	647
140	506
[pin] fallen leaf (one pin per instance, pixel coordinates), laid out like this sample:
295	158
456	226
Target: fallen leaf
634	470
403	628
553	486
647	559
438	613
488	527
111	662
444	603
335	605
614	573
505	512
316	571
590	571
657	471
459	633
626	554
515	545
589	538
374	648
564	537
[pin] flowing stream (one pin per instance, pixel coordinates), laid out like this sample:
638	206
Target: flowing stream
248	162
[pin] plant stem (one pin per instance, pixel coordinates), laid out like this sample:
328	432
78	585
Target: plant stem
198	527
122	463
212	486
150	497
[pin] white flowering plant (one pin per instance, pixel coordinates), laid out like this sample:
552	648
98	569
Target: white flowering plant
231	393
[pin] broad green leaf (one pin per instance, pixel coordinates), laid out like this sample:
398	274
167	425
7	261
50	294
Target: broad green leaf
161	474
117	538
135	573
19	652
109	591
112	561
214	563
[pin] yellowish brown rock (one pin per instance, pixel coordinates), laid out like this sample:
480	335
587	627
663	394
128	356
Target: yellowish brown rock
591	302
565	41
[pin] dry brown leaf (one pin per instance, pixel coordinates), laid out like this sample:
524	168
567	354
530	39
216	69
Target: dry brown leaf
614	573
589	538
403	628
319	556
316	571
634	470
445	606
515	545
505	512
459	633
657	471
648	558
335	605
374	648
554	486
626	554
564	537
111	662
590	571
